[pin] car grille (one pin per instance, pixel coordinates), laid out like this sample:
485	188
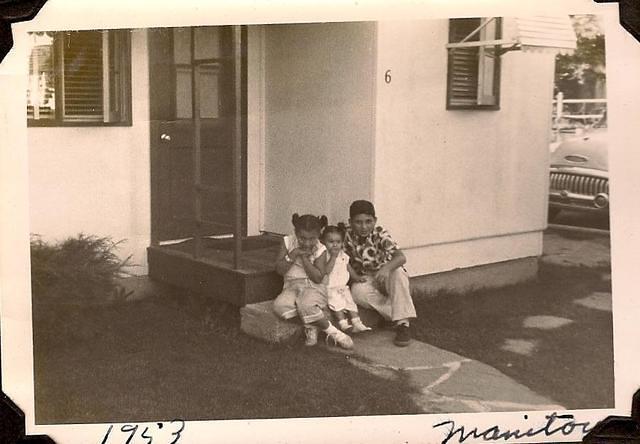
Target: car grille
578	184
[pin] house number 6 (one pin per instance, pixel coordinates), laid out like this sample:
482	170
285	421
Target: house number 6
387	76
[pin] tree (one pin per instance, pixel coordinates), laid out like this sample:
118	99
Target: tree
582	74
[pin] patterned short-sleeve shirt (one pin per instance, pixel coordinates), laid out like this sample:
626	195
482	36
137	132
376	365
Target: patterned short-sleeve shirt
369	253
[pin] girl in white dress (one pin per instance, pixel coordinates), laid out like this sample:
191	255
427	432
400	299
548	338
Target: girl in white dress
334	265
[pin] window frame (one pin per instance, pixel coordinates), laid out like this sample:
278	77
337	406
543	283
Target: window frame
496	71
119	51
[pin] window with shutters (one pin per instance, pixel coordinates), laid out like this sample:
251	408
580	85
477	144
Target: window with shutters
79	78
473	80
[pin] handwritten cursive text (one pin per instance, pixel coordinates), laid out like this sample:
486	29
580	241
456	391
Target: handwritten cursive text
556	424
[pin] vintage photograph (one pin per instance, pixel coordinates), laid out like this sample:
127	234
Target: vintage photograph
320	219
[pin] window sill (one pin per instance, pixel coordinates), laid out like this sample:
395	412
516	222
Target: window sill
473	107
53	124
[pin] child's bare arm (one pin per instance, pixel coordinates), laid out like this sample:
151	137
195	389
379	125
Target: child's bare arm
312	271
397	260
330	263
321	263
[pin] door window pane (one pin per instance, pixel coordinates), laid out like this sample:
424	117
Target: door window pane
183	93
210	43
207	43
182	45
209	91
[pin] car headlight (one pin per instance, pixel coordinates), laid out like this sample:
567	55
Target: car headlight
601	200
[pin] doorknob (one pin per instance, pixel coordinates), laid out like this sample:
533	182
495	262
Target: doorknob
165	136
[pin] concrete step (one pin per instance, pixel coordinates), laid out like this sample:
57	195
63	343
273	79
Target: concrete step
259	320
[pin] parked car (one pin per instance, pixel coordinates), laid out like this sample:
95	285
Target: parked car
579	173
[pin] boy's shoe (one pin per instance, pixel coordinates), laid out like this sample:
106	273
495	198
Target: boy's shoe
358	326
339	338
310	336
403	336
344	324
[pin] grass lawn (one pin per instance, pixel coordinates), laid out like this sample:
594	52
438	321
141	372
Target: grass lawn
179	356
572	364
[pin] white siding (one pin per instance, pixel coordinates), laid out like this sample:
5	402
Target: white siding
95	180
319	119
446	179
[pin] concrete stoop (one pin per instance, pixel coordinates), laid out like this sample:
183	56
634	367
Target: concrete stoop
259	320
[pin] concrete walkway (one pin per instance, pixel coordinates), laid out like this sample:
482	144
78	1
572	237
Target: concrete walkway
443	381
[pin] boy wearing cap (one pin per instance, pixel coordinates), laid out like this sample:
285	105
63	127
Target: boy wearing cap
381	282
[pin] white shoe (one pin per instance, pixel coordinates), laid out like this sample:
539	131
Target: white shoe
310	336
344	324
339	338
358	326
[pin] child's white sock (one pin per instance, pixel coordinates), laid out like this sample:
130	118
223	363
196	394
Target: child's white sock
311	335
343	324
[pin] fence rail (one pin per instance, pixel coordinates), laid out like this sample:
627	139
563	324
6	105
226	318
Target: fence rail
568	115
584	110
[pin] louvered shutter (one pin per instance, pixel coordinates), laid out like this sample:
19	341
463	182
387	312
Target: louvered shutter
463	65
83	76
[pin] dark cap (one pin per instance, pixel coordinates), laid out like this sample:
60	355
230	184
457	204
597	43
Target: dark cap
361	207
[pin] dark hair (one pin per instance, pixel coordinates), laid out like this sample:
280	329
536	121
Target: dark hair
361	207
309	222
340	229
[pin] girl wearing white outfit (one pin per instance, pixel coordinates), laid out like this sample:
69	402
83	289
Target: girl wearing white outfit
334	265
303	293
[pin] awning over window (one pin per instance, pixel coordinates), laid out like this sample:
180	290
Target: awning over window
542	33
545	33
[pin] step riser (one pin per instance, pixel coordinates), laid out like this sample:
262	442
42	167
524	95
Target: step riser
220	284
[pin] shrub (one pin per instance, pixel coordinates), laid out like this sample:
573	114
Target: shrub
78	269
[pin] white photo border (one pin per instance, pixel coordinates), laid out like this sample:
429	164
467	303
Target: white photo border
623	70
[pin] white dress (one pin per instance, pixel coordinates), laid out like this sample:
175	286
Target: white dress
338	291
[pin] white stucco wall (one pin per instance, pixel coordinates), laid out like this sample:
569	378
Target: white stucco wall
319	119
95	180
459	188
456	188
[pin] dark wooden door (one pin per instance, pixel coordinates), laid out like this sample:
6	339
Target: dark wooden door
177	94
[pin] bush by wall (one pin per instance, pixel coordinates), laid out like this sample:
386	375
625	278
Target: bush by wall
79	269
